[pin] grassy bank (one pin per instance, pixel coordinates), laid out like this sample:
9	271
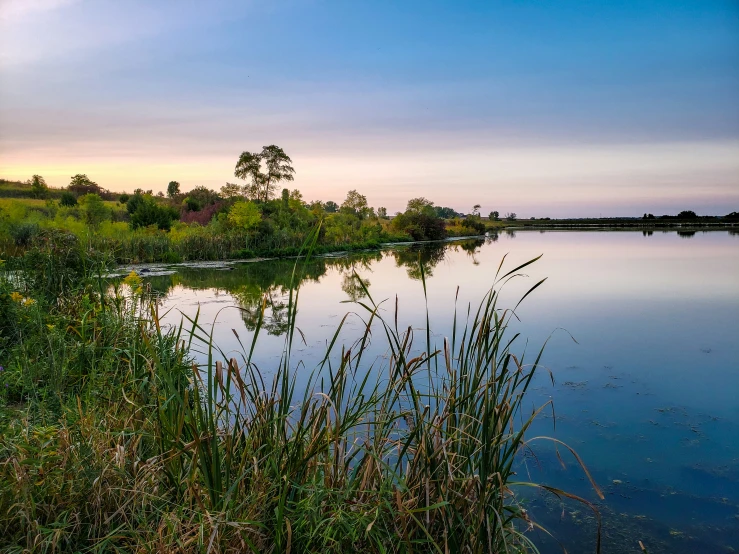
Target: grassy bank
114	440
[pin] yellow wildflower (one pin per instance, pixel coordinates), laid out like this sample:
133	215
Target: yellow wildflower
16	296
134	281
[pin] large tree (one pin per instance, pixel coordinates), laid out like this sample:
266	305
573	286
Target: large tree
81	184
264	170
356	204
39	188
173	189
420	205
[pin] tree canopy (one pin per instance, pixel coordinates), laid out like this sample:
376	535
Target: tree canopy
173	189
81	184
39	188
264	170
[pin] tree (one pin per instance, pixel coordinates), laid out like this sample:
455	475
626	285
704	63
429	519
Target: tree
277	168
687	214
446	213
173	189
511	216
382	212
493	216
39	188
476	209
200	197
285	199
231	190
420	225
244	215
133	202
419	205
81	184
94	209
355	204
145	212
331	207
67	199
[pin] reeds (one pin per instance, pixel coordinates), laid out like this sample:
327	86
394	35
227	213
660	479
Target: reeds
415	452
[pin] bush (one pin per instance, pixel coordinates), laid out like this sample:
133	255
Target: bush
420	225
474	224
148	212
67	199
23	233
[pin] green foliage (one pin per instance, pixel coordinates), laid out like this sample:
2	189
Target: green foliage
244	215
474	224
420	221
420	225
145	211
493	216
68	199
39	188
331	207
201	197
81	184
93	209
356	204
231	190
285	199
173	189
446	213
511	216
420	205
23	233
262	182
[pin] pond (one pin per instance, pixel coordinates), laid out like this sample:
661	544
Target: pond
642	348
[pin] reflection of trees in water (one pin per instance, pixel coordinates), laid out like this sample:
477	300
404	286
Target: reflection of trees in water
267	284
428	256
351	285
686	234
416	256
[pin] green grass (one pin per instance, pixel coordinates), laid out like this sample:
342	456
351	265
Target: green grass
114	440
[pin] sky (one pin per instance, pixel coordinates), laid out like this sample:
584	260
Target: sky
558	109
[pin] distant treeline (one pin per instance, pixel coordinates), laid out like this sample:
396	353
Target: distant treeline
240	220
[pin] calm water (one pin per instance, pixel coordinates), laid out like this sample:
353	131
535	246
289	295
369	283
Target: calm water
648	395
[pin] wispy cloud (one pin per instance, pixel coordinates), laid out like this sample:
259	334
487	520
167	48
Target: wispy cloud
11	11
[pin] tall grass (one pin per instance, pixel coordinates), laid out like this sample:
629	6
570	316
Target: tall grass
417	452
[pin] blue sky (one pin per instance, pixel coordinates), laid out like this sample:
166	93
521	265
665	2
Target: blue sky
544	108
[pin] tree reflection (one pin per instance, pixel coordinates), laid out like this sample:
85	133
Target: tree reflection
265	286
414	257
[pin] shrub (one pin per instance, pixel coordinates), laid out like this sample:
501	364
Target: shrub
67	199
23	233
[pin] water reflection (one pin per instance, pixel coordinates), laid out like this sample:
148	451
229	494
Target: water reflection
647	395
254	285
